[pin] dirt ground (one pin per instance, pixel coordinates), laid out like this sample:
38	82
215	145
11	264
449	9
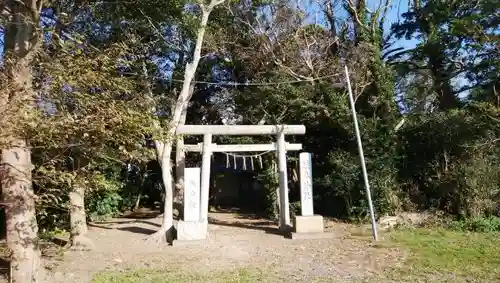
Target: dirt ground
234	241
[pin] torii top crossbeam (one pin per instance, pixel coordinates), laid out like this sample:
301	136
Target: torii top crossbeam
237	130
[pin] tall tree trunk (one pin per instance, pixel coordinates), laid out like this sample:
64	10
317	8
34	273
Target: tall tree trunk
21	225
180	164
434	51
78	219
441	83
360	23
180	155
21	38
164	149
329	11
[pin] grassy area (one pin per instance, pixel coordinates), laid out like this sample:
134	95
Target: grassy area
448	255
164	276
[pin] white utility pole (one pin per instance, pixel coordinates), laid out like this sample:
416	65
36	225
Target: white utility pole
361	156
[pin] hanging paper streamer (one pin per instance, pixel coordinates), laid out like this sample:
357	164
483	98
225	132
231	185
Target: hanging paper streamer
244	161
295	177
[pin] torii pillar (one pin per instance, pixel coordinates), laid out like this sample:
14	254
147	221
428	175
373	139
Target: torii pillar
209	130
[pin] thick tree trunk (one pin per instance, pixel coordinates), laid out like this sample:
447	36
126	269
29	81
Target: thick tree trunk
21	39
78	220
21	225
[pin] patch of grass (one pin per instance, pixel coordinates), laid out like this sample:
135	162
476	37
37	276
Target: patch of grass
176	276
450	255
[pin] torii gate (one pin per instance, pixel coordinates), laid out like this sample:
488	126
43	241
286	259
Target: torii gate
207	148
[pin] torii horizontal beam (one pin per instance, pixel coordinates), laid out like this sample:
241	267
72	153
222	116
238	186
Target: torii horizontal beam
236	130
242	147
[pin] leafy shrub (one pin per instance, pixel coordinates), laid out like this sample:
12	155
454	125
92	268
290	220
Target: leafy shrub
295	208
448	161
478	224
104	199
101	204
270	181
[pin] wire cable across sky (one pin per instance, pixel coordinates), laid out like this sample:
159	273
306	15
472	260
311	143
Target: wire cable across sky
226	83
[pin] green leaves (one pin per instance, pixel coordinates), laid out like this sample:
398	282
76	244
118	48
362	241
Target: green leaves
456	42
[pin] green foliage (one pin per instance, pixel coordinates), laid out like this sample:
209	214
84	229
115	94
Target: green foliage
270	180
52	218
294	208
450	162
102	204
456	40
104	199
477	224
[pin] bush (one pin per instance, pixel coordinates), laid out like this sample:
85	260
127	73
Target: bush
448	161
339	187
102	204
477	224
269	179
295	208
440	161
104	199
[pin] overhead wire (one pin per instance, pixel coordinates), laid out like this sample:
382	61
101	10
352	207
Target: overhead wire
221	83
229	83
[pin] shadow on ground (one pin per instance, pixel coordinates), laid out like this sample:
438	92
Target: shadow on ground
239	213
106	224
137	230
237	219
112	225
269	227
142	213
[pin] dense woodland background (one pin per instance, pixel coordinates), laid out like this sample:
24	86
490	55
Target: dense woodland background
104	65
104	75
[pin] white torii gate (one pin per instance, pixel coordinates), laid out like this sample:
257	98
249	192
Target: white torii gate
207	148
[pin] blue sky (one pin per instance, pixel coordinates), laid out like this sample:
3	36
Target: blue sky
393	16
397	8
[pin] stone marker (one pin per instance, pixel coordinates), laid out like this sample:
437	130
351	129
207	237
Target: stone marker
192	195
306	193
307	225
191	229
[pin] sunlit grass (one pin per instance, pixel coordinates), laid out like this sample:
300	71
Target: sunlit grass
164	276
448	256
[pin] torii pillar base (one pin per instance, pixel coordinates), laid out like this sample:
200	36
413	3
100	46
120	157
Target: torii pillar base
190	232
308	227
